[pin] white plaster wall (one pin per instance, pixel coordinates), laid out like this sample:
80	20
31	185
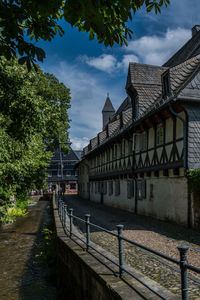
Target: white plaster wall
120	201
96	197
83	179
169	201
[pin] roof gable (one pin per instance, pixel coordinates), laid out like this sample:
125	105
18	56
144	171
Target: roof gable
144	74
192	89
146	80
183	74
70	156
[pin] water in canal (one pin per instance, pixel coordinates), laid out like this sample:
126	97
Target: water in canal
21	276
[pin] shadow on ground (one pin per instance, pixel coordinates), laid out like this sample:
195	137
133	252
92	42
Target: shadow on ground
108	217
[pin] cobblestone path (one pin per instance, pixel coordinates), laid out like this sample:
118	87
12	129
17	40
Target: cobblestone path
161	236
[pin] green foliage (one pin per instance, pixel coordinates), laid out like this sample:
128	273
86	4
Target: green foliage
8	213
16	212
33	114
104	19
194	181
46	249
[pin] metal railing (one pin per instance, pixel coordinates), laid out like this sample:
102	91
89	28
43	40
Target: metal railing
64	211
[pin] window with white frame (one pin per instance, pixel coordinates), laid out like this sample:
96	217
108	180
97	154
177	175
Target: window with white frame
141	189
166	85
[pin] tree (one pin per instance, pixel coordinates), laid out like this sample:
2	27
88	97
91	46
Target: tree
33	114
105	19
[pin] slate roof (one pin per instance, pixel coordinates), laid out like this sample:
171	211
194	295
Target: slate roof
189	50
146	80
78	153
108	107
145	74
70	156
179	77
126	104
179	74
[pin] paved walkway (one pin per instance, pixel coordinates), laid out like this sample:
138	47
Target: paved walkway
20	277
159	235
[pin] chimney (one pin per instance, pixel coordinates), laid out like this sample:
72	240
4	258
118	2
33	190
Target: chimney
195	29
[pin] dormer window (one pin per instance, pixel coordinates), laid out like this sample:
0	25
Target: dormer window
166	85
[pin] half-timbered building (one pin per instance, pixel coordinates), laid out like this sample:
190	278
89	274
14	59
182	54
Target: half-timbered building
62	176
140	159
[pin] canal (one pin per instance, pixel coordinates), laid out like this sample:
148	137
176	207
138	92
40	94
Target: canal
22	275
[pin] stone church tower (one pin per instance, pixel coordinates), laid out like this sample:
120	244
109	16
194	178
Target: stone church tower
107	112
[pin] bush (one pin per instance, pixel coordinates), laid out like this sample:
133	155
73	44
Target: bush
194	181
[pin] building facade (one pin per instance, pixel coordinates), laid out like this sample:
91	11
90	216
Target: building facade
139	161
62	175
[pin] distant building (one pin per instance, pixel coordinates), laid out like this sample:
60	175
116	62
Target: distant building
62	175
140	159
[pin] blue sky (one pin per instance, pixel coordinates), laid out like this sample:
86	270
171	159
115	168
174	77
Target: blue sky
91	70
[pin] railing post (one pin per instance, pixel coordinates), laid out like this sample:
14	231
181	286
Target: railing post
87	223
183	266
59	206
65	216
70	221
120	248
63	211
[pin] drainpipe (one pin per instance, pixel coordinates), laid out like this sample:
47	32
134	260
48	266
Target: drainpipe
185	159
135	180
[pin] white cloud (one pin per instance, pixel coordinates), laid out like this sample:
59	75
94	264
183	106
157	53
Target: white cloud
79	143
152	49
155	49
108	63
104	62
126	60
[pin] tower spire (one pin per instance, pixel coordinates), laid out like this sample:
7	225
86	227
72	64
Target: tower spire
108	111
